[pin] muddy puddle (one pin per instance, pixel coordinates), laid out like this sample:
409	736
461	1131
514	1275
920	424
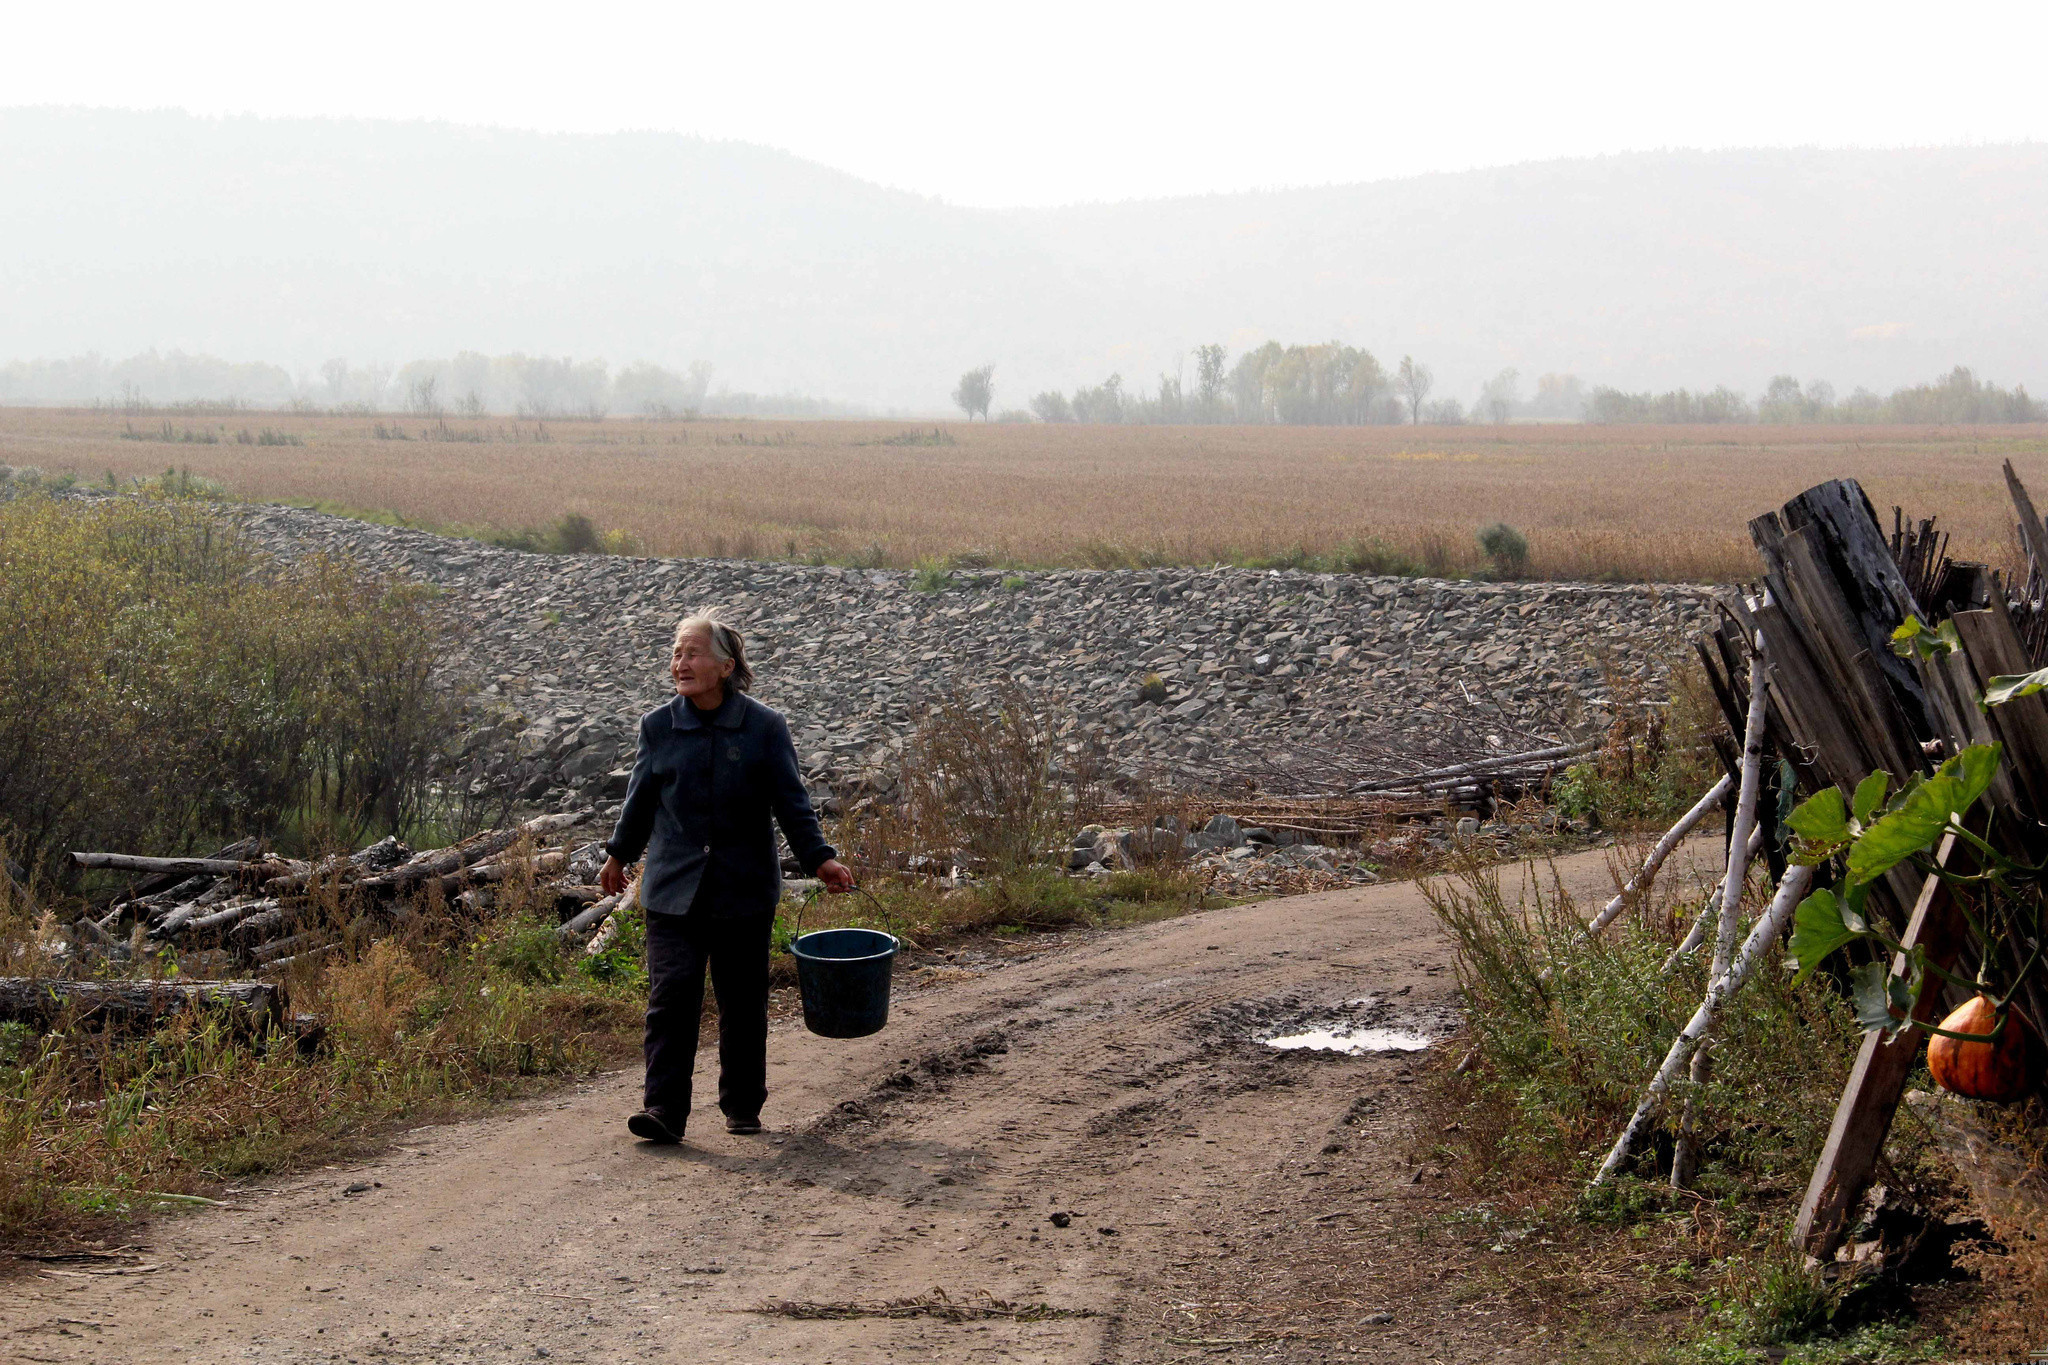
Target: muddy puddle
1350	1027
1350	1041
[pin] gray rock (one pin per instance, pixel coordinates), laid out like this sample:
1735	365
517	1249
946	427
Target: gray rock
1222	832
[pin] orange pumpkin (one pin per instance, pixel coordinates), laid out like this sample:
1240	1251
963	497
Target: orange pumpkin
2001	1071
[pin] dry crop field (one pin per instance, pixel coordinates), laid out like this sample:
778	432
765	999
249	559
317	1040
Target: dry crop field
1657	503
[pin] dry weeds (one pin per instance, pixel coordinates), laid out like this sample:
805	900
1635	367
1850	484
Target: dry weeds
1660	503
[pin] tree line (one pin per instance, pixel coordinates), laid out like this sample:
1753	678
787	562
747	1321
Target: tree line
1958	397
468	384
1332	384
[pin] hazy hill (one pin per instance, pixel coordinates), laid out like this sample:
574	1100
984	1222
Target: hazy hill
296	240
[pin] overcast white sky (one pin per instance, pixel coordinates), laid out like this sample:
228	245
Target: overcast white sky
1056	102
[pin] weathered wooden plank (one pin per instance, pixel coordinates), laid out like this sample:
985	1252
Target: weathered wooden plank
1837	519
1800	690
1863	1118
2033	534
1891	734
1992	646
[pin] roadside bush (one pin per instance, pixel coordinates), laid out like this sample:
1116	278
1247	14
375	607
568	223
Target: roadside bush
1569	1028
978	779
1507	548
165	684
1655	760
573	533
1375	556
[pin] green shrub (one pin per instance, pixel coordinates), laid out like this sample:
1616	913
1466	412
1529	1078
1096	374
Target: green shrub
165	684
623	961
573	533
1569	1028
577	534
1152	689
1507	548
933	575
1375	556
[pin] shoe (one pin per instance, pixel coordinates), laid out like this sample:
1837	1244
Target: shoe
743	1126
649	1125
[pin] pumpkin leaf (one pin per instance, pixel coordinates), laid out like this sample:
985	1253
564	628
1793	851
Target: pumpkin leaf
1914	822
1975	766
2011	686
1913	638
1822	820
1818	930
1870	793
1881	1000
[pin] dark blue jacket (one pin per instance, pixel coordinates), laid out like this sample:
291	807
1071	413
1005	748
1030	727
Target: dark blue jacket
700	806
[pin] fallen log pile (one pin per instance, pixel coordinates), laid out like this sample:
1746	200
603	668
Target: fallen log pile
267	915
44	1001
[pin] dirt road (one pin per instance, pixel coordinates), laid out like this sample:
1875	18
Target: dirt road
1093	1126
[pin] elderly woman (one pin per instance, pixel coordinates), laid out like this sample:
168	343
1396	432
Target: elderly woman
714	767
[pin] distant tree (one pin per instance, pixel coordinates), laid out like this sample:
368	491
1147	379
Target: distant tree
1414	382
335	375
977	390
1209	378
1782	400
1500	394
1104	403
423	396
1559	396
1052	406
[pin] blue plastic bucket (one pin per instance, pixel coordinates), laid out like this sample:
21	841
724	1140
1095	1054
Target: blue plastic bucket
843	976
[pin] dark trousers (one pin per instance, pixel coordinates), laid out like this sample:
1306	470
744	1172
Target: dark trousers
679	948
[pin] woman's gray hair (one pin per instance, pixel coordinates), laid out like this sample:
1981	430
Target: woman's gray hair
726	643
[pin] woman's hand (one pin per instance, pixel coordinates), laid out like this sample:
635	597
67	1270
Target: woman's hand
838	878
611	878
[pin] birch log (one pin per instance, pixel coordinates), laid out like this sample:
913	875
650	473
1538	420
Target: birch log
1672	838
1745	810
1698	933
1790	892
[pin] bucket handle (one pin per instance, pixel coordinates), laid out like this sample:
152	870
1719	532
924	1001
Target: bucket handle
810	898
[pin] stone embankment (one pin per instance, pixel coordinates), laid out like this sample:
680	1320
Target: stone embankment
1295	682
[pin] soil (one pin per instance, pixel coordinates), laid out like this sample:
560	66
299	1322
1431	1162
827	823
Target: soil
1076	1150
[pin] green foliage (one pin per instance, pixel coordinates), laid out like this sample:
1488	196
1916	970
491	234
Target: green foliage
1376	557
1507	548
1567	1025
1868	837
573	533
527	951
937	436
1152	688
166	684
623	961
1015	582
933	575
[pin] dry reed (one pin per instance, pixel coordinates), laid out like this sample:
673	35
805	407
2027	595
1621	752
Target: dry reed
1656	503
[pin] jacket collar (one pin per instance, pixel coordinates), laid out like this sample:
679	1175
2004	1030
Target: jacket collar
726	717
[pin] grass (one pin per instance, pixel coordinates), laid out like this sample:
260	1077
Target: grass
429	1024
1590	503
1563	1031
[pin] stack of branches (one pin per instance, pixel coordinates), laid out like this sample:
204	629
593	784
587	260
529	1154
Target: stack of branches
263	915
